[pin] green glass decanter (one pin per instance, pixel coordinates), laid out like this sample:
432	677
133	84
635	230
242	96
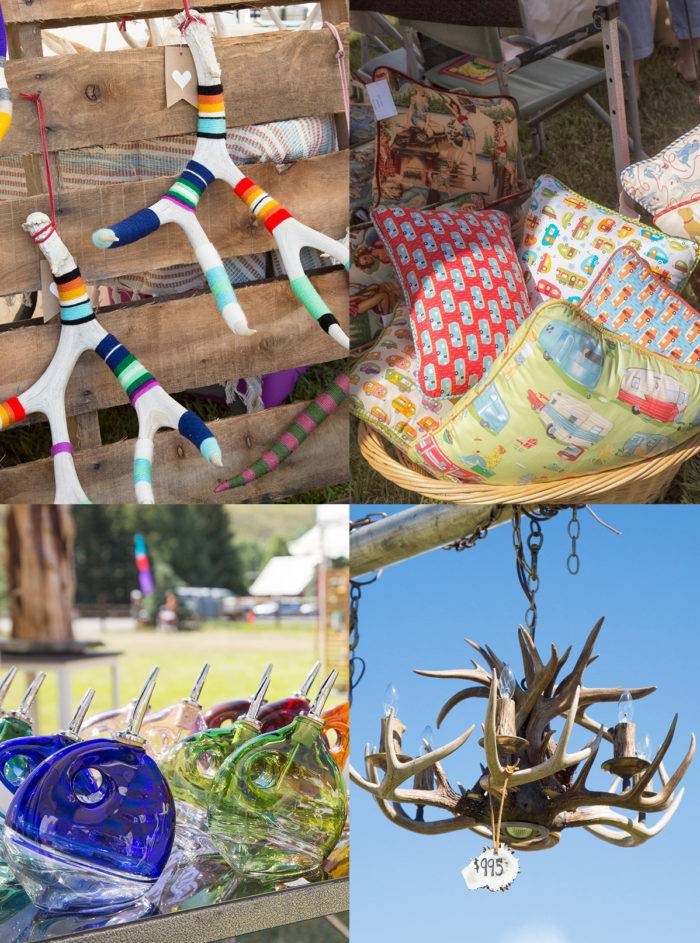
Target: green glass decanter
278	804
18	723
191	765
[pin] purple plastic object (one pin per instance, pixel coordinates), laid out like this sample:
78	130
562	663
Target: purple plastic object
276	387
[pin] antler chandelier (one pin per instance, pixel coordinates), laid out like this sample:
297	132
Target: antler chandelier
541	784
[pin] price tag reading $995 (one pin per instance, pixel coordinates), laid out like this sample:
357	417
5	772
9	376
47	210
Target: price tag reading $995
494	870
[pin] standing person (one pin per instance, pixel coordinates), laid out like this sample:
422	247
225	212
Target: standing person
636	15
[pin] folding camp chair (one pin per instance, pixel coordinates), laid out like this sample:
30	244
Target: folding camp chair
541	84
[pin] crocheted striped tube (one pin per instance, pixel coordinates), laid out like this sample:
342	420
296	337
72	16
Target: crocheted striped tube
11	411
5	100
131	373
189	186
73	298
290	440
211	118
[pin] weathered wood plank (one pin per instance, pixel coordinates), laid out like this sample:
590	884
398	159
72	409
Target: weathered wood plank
184	342
117	97
70	12
181	476
314	190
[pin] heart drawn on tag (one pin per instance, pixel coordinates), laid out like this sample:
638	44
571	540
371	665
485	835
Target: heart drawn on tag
181	78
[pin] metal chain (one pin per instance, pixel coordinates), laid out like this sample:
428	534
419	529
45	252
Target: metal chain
527	555
479	533
357	664
573	561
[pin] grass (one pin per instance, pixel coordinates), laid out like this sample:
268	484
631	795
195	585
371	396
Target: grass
236	651
579	152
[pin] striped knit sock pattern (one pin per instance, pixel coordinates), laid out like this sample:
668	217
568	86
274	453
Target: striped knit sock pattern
290	440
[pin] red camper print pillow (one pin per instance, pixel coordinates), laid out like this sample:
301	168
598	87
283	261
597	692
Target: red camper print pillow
464	287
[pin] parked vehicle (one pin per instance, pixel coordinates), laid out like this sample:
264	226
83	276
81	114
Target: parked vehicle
571	420
576	352
490	409
653	394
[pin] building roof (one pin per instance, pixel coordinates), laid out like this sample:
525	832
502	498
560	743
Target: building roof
285	576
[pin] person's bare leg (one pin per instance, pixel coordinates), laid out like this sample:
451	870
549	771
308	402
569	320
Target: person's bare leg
686	61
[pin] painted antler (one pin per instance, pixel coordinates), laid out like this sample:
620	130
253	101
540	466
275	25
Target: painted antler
5	100
81	331
543	792
211	161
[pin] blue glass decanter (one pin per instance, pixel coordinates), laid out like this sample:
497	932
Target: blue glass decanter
18	758
191	765
97	848
18	723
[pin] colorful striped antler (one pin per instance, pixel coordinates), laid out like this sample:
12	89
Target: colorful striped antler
5	100
211	161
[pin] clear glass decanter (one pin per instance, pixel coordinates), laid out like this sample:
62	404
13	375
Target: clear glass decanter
19	757
278	804
88	848
164	728
5	687
18	723
229	711
278	714
191	765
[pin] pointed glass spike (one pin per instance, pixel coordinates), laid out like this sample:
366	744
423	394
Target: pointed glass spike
196	691
133	727
5	685
29	697
391	699
309	680
258	698
278	804
506	683
73	729
625	708
323	694
230	711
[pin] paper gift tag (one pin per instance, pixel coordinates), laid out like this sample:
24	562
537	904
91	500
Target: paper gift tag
381	100
180	76
494	870
49	292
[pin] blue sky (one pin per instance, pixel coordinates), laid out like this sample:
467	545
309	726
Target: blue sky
408	887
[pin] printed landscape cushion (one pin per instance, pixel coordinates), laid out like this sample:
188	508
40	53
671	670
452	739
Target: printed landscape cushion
441	144
668	186
384	389
568	239
460	276
567	398
628	298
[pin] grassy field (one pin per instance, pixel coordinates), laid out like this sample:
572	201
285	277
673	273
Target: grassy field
579	152
237	653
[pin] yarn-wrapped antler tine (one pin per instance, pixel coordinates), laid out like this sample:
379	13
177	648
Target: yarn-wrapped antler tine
5	100
211	161
81	331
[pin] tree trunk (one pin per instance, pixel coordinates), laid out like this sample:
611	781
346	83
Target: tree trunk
41	571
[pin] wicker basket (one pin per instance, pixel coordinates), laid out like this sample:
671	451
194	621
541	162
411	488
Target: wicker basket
638	483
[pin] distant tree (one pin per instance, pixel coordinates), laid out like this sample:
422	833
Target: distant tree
277	547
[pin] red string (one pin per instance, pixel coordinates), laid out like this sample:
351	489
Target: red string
189	17
122	23
340	56
36	98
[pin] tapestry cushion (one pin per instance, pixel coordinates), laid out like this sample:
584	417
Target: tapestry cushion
569	238
461	279
442	144
668	186
568	397
628	298
384	388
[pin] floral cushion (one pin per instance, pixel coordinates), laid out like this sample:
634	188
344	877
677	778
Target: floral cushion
568	239
384	388
460	275
668	186
628	298
568	397
444	144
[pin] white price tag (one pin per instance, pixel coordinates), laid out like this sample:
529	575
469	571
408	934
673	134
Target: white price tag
494	870
380	98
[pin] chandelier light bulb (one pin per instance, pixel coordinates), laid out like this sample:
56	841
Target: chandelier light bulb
426	737
625	708
391	699
506	682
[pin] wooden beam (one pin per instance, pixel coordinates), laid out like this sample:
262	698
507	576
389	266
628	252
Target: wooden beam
314	190
117	97
180	474
185	342
72	12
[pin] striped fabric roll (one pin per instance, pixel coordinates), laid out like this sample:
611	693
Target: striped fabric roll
261	204
131	373
211	122
73	298
290	440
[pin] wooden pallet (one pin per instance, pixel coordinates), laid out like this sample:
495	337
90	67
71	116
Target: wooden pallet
118	97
